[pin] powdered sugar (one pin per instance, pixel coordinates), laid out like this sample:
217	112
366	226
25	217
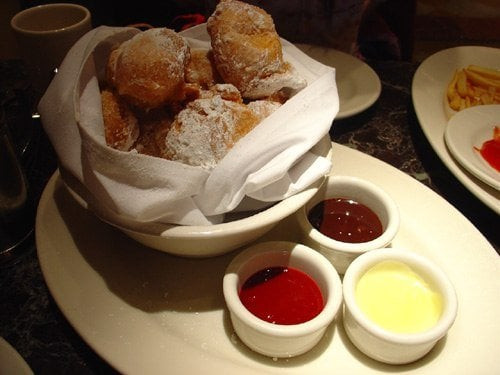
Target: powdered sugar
263	108
203	132
207	129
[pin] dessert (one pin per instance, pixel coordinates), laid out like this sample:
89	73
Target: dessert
121	126
154	126
247	50
148	69
207	129
201	69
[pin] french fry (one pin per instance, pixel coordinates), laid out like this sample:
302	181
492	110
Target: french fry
479	90
485	72
480	80
471	92
463	104
462	83
486	99
451	93
467	102
455	102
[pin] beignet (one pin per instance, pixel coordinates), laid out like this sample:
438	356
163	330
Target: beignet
121	127
201	69
247	50
207	129
148	69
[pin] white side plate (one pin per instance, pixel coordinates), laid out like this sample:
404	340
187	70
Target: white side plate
466	132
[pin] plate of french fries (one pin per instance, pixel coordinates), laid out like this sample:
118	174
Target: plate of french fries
446	83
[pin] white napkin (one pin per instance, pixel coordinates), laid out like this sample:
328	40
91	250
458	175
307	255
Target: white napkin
274	161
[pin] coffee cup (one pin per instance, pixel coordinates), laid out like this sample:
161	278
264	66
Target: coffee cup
44	34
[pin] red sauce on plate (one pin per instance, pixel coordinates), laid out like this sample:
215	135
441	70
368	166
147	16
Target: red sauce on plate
490	150
282	295
345	220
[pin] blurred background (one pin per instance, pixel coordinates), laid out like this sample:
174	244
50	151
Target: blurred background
407	30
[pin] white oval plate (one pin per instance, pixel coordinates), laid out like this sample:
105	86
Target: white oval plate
358	84
11	361
466	132
148	312
428	88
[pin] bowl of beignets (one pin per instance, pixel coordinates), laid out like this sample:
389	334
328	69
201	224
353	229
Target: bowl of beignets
201	141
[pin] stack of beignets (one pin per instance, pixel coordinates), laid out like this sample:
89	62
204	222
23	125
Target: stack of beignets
163	99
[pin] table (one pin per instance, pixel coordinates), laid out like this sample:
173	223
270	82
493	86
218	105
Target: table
30	319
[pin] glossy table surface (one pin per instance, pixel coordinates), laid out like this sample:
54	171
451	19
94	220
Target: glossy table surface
30	319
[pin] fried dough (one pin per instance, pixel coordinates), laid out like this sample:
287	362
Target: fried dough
148	69
121	127
248	52
207	129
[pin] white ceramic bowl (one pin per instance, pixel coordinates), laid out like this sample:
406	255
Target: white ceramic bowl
277	340
213	240
341	254
382	344
199	241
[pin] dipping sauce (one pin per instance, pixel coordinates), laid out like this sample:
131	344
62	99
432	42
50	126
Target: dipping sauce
345	220
396	298
282	295
490	150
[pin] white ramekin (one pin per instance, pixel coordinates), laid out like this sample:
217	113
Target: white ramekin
276	340
341	254
384	345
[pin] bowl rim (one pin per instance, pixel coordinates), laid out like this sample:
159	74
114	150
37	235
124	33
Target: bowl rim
428	269
322	320
393	221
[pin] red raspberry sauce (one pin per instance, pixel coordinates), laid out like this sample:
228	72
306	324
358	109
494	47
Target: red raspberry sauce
282	295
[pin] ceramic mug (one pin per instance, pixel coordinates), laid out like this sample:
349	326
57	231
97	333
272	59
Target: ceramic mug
45	33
